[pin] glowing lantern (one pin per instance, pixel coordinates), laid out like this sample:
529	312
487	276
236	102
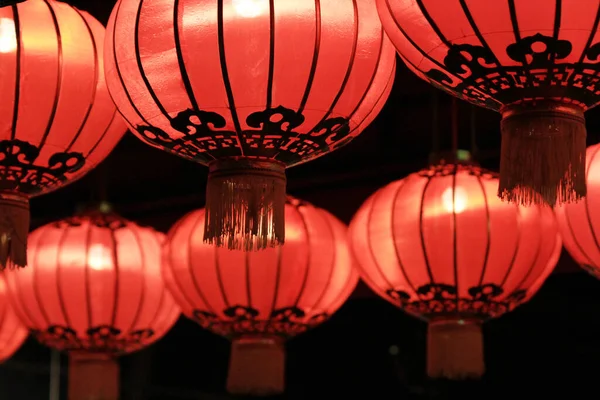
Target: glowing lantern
535	61
248	87
94	288
578	223
12	331
57	120
440	245
259	299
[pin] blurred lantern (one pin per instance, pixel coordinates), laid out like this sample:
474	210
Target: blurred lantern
260	299
12	331
57	120
94	288
440	245
578	223
534	61
248	87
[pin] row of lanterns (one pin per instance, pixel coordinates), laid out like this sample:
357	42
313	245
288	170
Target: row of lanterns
99	286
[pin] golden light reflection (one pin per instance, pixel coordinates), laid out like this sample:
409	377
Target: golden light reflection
250	8
99	257
455	200
8	35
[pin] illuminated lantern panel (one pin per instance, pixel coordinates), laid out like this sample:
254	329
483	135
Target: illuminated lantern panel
443	247
248	87
579	223
57	120
12	331
259	299
534	61
94	288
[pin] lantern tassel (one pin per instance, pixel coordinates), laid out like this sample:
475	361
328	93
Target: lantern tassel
543	154
256	367
245	204
455	350
14	227
93	377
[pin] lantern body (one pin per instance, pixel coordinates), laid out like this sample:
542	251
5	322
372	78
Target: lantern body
248	87
440	245
94	286
260	298
57	120
534	61
12	331
579	222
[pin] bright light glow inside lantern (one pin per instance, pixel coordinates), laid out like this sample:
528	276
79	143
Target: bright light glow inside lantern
249	8
455	200
99	257
8	35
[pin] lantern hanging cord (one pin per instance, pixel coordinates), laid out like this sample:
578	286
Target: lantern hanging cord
473	132
454	125
435	127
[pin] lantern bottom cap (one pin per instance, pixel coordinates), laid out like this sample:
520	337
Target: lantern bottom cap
93	377
455	349
256	367
543	153
245	204
14	227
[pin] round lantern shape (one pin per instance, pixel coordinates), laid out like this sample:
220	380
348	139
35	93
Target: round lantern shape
57	120
94	288
259	299
12	331
248	87
534	61
440	245
579	223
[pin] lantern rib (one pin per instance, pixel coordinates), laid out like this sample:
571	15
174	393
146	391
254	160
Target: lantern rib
96	79
423	246
593	32
488	231
277	281
226	81
59	77
556	28
3	318
220	282
482	41
308	256
512	8
572	231
86	279
161	303
537	254
61	300
517	246
454	235
336	300
319	299
271	54
587	204
138	239
34	286
101	138
369	242
315	59
394	239
248	282
115	255
185	77
18	50
192	264
385	92
22	311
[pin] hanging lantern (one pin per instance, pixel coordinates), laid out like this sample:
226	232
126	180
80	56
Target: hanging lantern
57	120
12	331
250	88
534	61
260	299
578	223
441	246
94	288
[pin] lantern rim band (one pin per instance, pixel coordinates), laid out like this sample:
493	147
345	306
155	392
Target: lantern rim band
543	108
247	166
445	321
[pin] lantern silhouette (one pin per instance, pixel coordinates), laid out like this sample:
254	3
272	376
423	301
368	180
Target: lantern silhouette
94	289
441	246
259	299
250	88
578	223
57	120
536	62
12	331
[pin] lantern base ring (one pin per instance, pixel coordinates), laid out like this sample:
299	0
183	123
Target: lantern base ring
93	376
245	204
455	349
256	366
14	227
543	153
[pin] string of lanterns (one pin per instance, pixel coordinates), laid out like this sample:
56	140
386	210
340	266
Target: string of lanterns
249	88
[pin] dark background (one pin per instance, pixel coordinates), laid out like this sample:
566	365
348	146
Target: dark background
546	347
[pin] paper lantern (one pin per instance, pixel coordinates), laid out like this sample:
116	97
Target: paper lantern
12	331
57	120
259	299
248	87
535	61
441	246
94	288
578	223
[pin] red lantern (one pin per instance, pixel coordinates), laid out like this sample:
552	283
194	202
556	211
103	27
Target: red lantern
259	299
57	120
248	87
440	245
94	288
12	331
578	222
535	61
